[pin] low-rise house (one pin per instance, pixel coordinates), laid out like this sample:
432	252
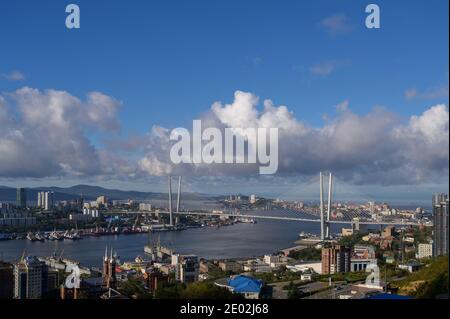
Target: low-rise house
247	286
306	277
230	266
257	266
411	266
204	266
362	256
424	251
311	267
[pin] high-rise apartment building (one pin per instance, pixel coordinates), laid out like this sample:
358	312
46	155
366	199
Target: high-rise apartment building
440	225
6	280
28	278
39	200
336	259
102	200
21	198
187	268
439	198
46	200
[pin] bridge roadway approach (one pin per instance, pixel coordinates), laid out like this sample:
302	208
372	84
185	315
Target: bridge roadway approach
297	219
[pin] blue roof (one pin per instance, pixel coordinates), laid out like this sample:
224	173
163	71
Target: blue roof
388	296
243	284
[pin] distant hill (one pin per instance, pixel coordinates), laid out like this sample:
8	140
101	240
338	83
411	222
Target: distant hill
8	194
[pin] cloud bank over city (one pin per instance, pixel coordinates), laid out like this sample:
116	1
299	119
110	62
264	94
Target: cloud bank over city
54	133
44	134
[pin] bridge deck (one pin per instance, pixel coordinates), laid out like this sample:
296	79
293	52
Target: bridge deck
275	218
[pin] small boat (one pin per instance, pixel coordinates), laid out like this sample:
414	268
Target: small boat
39	237
304	235
31	237
248	220
54	235
71	235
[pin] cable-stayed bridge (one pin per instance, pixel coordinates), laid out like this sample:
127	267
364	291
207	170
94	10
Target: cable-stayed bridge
324	217
269	217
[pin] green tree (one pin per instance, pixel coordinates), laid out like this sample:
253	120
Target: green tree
293	291
134	288
307	254
428	282
169	291
207	290
352	240
431	289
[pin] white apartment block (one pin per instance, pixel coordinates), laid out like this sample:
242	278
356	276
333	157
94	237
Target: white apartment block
424	251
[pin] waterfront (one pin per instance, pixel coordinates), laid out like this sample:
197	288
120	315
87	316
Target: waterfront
237	241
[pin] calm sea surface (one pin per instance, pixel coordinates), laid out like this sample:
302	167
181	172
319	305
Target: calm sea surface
237	241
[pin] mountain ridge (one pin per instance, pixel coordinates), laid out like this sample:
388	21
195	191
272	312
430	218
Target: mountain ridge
89	192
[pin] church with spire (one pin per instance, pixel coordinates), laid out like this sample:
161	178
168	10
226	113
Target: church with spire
109	269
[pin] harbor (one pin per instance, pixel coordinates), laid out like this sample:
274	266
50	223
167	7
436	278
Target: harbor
238	241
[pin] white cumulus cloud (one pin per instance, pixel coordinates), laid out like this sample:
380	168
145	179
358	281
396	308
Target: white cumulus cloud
44	133
377	147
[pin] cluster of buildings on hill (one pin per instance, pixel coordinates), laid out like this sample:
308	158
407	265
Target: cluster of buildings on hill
30	278
33	277
341	259
10	216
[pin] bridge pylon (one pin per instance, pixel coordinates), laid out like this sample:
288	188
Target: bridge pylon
325	219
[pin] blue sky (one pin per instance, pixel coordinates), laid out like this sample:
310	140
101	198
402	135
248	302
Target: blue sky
168	61
157	56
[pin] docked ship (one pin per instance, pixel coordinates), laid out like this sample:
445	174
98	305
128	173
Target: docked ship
31	237
35	237
72	235
304	235
39	237
159	253
54	235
